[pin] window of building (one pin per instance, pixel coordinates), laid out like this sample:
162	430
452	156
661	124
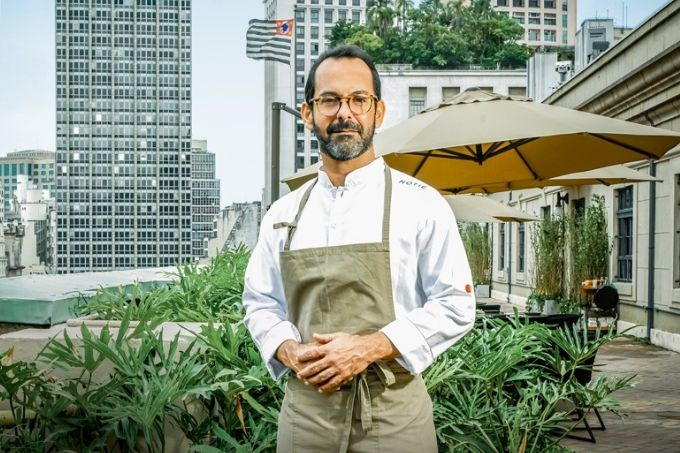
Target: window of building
356	3
300	31
521	247
517	91
328	16
299	48
518	3
518	17
549	4
565	37
565	20
342	15
299	64
578	209
501	247
534	3
565	5
416	100
534	35
624	234
550	19
501	2
535	18
314	32
549	35
314	16
545	212
342	2
329	2
300	15
449	92
356	16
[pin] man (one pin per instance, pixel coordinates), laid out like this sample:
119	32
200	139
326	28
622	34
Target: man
358	281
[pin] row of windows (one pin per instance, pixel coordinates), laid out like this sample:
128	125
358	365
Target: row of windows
548	4
331	2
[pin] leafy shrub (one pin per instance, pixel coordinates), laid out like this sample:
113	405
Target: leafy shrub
497	389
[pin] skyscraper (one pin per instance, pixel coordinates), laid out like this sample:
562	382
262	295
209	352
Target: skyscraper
314	22
123	161
205	197
37	165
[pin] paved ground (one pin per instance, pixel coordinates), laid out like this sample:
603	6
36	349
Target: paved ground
652	406
652	423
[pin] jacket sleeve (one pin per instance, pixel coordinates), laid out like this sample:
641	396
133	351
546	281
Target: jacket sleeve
445	282
264	300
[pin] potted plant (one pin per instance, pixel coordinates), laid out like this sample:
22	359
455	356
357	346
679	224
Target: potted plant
478	248
590	246
547	241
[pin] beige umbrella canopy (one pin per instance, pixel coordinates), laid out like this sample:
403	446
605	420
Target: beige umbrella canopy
301	176
615	174
471	208
479	138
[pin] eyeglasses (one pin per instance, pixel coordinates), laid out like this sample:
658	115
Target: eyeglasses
329	104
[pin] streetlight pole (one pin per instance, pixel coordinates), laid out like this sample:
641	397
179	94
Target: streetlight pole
276	145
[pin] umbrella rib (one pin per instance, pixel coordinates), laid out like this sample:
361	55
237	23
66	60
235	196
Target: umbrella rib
526	164
509	146
451	154
422	162
623	145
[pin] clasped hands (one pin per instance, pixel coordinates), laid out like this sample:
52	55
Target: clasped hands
334	359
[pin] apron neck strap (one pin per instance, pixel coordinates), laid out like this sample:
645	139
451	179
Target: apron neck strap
386	211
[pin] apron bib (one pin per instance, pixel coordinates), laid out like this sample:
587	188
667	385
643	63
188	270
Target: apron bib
348	288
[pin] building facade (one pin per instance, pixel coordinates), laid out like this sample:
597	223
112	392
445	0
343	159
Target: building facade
205	198
123	162
314	22
635	80
546	23
407	91
593	38
37	165
238	224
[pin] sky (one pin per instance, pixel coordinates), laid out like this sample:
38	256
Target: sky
228	97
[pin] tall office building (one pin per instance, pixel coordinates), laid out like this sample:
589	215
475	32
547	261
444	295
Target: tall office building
37	165
314	22
547	23
205	198
123	133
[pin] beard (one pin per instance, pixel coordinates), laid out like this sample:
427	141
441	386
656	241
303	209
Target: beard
344	147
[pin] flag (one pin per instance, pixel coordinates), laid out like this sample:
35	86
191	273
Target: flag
269	40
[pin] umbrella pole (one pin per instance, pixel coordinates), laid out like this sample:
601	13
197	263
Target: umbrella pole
652	243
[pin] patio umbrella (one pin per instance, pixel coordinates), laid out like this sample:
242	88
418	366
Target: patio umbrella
479	137
615	174
472	208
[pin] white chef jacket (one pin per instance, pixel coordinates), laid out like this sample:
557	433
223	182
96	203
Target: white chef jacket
428	264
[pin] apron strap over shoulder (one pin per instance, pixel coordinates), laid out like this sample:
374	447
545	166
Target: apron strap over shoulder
293	225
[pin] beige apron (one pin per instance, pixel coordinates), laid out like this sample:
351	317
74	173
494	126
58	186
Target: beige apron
348	288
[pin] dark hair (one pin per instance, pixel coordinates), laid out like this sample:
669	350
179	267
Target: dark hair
345	51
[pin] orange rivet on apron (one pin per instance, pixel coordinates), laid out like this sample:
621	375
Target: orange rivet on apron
468	288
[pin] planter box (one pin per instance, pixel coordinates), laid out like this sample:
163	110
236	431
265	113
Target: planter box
482	291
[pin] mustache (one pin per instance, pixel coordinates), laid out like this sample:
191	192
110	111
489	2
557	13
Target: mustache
348	125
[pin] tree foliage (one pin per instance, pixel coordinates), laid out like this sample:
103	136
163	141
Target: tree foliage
436	35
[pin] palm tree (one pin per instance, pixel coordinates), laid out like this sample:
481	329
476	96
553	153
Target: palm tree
380	15
403	8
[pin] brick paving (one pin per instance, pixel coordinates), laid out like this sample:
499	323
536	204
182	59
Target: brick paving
652	406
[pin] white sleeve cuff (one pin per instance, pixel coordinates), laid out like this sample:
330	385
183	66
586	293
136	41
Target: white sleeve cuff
409	341
281	332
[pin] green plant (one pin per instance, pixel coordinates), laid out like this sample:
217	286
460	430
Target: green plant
547	241
478	248
590	245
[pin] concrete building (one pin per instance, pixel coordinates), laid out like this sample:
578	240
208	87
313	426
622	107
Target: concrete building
123	74
407	91
635	80
236	224
546	23
314	21
205	197
594	38
28	234
37	164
